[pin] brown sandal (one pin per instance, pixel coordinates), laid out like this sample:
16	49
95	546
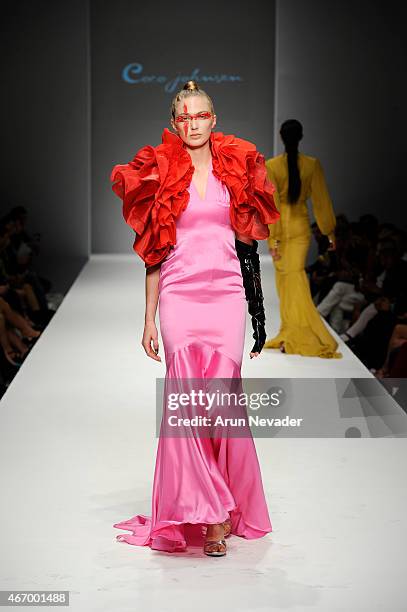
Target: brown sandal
215	553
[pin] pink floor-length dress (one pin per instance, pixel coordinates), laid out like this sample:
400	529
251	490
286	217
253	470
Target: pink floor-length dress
202	310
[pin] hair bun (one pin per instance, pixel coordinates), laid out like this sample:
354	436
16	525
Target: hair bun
191	86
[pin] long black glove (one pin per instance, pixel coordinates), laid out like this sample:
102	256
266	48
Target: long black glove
250	267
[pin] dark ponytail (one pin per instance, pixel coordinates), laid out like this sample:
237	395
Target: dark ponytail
291	134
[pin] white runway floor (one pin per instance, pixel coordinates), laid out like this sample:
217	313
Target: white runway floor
77	455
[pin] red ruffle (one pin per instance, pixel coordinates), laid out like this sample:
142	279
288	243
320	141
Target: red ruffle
153	187
154	190
238	164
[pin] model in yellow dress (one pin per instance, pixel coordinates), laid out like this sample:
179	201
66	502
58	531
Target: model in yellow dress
302	331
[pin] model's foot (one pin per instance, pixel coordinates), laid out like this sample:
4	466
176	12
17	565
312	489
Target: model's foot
227	525
282	347
215	544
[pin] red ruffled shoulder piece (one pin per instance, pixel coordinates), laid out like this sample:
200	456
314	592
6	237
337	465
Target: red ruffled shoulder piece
153	187
238	164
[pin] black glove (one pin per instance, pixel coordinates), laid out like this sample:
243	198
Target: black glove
250	267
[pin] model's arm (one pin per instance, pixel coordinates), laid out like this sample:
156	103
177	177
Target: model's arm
150	330
246	250
274	228
322	203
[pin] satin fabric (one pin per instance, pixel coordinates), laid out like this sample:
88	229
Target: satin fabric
301	326
202	310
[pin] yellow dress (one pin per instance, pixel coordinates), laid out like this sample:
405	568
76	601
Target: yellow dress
302	330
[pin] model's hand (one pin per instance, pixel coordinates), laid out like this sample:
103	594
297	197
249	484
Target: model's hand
259	333
274	253
151	336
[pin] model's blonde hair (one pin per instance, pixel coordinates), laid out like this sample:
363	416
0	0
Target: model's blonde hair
191	88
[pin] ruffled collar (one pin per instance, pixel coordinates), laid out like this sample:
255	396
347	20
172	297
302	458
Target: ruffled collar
154	190
230	154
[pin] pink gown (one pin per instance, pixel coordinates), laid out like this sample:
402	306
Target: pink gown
202	311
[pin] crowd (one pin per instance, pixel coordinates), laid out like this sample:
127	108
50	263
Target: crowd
361	290
26	304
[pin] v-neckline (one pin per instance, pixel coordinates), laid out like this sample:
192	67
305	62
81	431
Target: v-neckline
207	183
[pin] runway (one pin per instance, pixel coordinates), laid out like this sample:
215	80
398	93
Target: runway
77	455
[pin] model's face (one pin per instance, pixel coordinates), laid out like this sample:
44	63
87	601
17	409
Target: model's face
194	120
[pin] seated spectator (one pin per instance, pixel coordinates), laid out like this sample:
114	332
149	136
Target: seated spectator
345	293
26	292
24	245
371	345
390	287
24	295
